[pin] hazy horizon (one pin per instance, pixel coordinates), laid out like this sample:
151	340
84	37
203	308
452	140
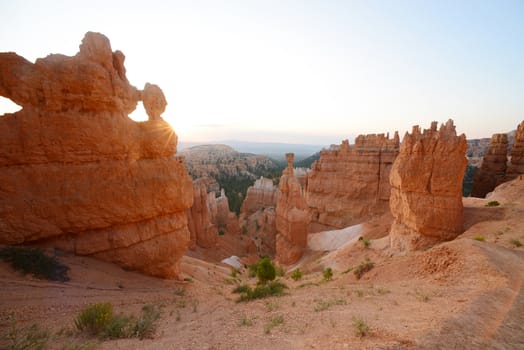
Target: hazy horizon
300	72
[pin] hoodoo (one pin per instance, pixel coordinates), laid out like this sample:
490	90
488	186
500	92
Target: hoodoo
77	173
426	187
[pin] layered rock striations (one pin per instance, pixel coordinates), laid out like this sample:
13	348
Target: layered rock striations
426	187
351	183
493	169
291	217
262	194
516	166
75	171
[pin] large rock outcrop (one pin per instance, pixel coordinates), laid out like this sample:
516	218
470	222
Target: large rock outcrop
516	166
76	172
262	194
351	183
426	187
291	217
493	168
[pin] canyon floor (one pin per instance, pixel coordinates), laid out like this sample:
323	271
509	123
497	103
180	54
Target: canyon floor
463	294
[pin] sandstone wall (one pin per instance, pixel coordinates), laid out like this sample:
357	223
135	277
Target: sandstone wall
426	187
351	183
262	194
516	166
76	172
493	169
291	217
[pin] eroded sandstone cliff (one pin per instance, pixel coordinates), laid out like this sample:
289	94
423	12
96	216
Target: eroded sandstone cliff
291	217
76	172
351	183
516	166
426	187
493	169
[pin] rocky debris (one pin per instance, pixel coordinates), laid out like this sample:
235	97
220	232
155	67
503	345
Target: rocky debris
262	194
426	187
291	217
493	169
77	173
351	183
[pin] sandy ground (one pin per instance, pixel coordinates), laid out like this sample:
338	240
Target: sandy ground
463	294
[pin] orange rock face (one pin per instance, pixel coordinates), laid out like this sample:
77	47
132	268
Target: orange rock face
516	166
426	187
291	217
493	169
262	194
351	183
76	172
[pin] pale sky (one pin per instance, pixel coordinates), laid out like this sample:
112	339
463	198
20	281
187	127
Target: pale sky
303	71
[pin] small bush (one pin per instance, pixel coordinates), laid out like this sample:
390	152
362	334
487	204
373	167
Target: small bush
280	271
492	204
95	318
516	243
326	304
360	327
221	232
328	274
234	272
364	267
479	238
146	325
275	321
365	242
32	337
245	321
252	271
120	326
273	288
34	261
265	271
296	275
98	319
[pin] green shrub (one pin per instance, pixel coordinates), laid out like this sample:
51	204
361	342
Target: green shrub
516	243
221	232
95	318
360	327
328	274
492	204
364	267
120	326
252	271
275	321
273	288
146	325
34	261
265	271
32	337
296	275
479	238
98	319
365	242
279	271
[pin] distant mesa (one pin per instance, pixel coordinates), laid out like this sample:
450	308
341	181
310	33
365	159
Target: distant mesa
78	174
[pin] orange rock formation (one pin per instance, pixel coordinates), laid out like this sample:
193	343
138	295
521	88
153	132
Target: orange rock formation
262	194
351	183
76	172
426	187
291	217
516	166
493	169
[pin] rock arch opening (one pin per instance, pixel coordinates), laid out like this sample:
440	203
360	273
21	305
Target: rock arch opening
8	106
